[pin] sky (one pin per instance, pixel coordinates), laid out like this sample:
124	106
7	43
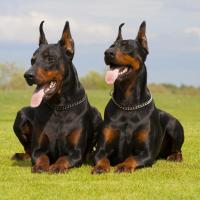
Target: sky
173	33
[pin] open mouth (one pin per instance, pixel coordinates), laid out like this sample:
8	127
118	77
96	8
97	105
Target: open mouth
116	72
123	70
41	92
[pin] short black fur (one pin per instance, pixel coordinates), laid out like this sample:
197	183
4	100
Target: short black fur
56	140
137	138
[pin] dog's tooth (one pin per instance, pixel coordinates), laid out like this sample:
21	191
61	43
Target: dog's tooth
52	84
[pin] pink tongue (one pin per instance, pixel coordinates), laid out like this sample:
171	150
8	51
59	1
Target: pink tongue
37	97
111	76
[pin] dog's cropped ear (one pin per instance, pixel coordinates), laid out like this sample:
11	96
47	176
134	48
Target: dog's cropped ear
67	41
42	39
141	37
119	36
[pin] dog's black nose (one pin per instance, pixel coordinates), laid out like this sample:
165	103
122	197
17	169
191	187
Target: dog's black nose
29	75
109	56
109	53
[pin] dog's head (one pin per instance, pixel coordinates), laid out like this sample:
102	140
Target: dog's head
126	57
49	64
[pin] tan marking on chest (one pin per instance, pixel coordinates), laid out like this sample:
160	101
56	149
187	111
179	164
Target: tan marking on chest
110	134
142	135
74	137
43	139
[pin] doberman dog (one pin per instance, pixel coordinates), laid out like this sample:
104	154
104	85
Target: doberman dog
58	130
135	133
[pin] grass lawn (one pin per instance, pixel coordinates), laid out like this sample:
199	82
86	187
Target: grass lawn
165	180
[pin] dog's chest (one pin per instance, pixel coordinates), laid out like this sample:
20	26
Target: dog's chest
62	133
128	126
60	125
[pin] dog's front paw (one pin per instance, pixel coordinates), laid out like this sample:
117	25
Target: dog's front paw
176	157
55	168
39	169
20	156
124	168
102	166
41	164
100	169
61	165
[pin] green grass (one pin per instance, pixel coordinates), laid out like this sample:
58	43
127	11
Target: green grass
165	180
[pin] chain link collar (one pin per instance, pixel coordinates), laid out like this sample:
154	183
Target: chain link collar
133	107
68	106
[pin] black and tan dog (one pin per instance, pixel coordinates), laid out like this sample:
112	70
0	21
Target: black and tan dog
135	133
58	129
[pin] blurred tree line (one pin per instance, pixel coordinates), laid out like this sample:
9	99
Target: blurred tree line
11	77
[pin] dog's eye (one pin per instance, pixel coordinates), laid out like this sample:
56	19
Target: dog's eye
112	45
51	59
32	61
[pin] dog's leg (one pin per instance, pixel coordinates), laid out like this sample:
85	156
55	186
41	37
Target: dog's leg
102	160
105	148
177	138
76	141
39	156
23	130
96	123
174	138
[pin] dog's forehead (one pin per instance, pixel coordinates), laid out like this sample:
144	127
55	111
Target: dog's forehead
129	42
126	43
45	50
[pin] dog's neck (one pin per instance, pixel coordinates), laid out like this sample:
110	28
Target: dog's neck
133	91
71	88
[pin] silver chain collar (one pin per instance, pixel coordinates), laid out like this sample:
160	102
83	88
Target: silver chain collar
133	107
68	106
